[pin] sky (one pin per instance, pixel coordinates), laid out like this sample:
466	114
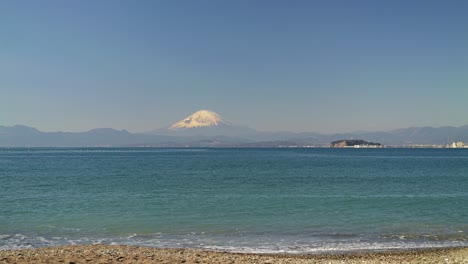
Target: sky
317	66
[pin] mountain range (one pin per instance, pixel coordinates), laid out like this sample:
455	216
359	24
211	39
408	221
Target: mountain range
206	128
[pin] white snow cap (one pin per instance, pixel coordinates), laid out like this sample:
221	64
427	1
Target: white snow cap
202	118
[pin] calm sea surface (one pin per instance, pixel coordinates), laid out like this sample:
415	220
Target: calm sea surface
242	200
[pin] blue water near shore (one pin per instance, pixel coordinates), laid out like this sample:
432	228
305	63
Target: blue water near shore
241	200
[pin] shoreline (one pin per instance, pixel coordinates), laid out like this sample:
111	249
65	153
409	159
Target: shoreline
134	254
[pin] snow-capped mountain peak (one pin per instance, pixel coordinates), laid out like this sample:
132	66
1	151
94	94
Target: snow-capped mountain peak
202	118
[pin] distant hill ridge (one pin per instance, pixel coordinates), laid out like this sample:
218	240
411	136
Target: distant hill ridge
206	128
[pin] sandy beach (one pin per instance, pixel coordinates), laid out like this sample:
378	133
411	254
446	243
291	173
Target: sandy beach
130	254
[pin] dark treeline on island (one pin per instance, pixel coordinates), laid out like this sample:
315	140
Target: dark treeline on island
344	143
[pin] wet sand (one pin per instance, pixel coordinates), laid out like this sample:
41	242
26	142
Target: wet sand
130	254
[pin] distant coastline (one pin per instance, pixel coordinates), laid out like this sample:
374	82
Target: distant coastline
226	136
259	145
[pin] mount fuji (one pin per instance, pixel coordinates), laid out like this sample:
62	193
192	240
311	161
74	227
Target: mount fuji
202	118
206	123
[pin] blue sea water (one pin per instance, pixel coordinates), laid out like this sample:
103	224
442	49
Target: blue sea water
241	200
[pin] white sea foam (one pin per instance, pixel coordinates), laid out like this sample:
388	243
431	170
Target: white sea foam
239	244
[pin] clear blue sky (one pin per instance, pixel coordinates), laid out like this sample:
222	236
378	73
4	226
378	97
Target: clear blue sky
323	66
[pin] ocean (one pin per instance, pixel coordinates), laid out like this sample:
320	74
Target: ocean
239	200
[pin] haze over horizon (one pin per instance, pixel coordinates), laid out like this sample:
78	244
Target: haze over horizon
320	66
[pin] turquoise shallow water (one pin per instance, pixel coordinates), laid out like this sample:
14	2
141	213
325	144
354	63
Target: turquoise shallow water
242	200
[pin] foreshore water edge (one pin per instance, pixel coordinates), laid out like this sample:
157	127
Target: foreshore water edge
133	254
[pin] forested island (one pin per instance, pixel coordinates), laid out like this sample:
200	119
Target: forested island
346	143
